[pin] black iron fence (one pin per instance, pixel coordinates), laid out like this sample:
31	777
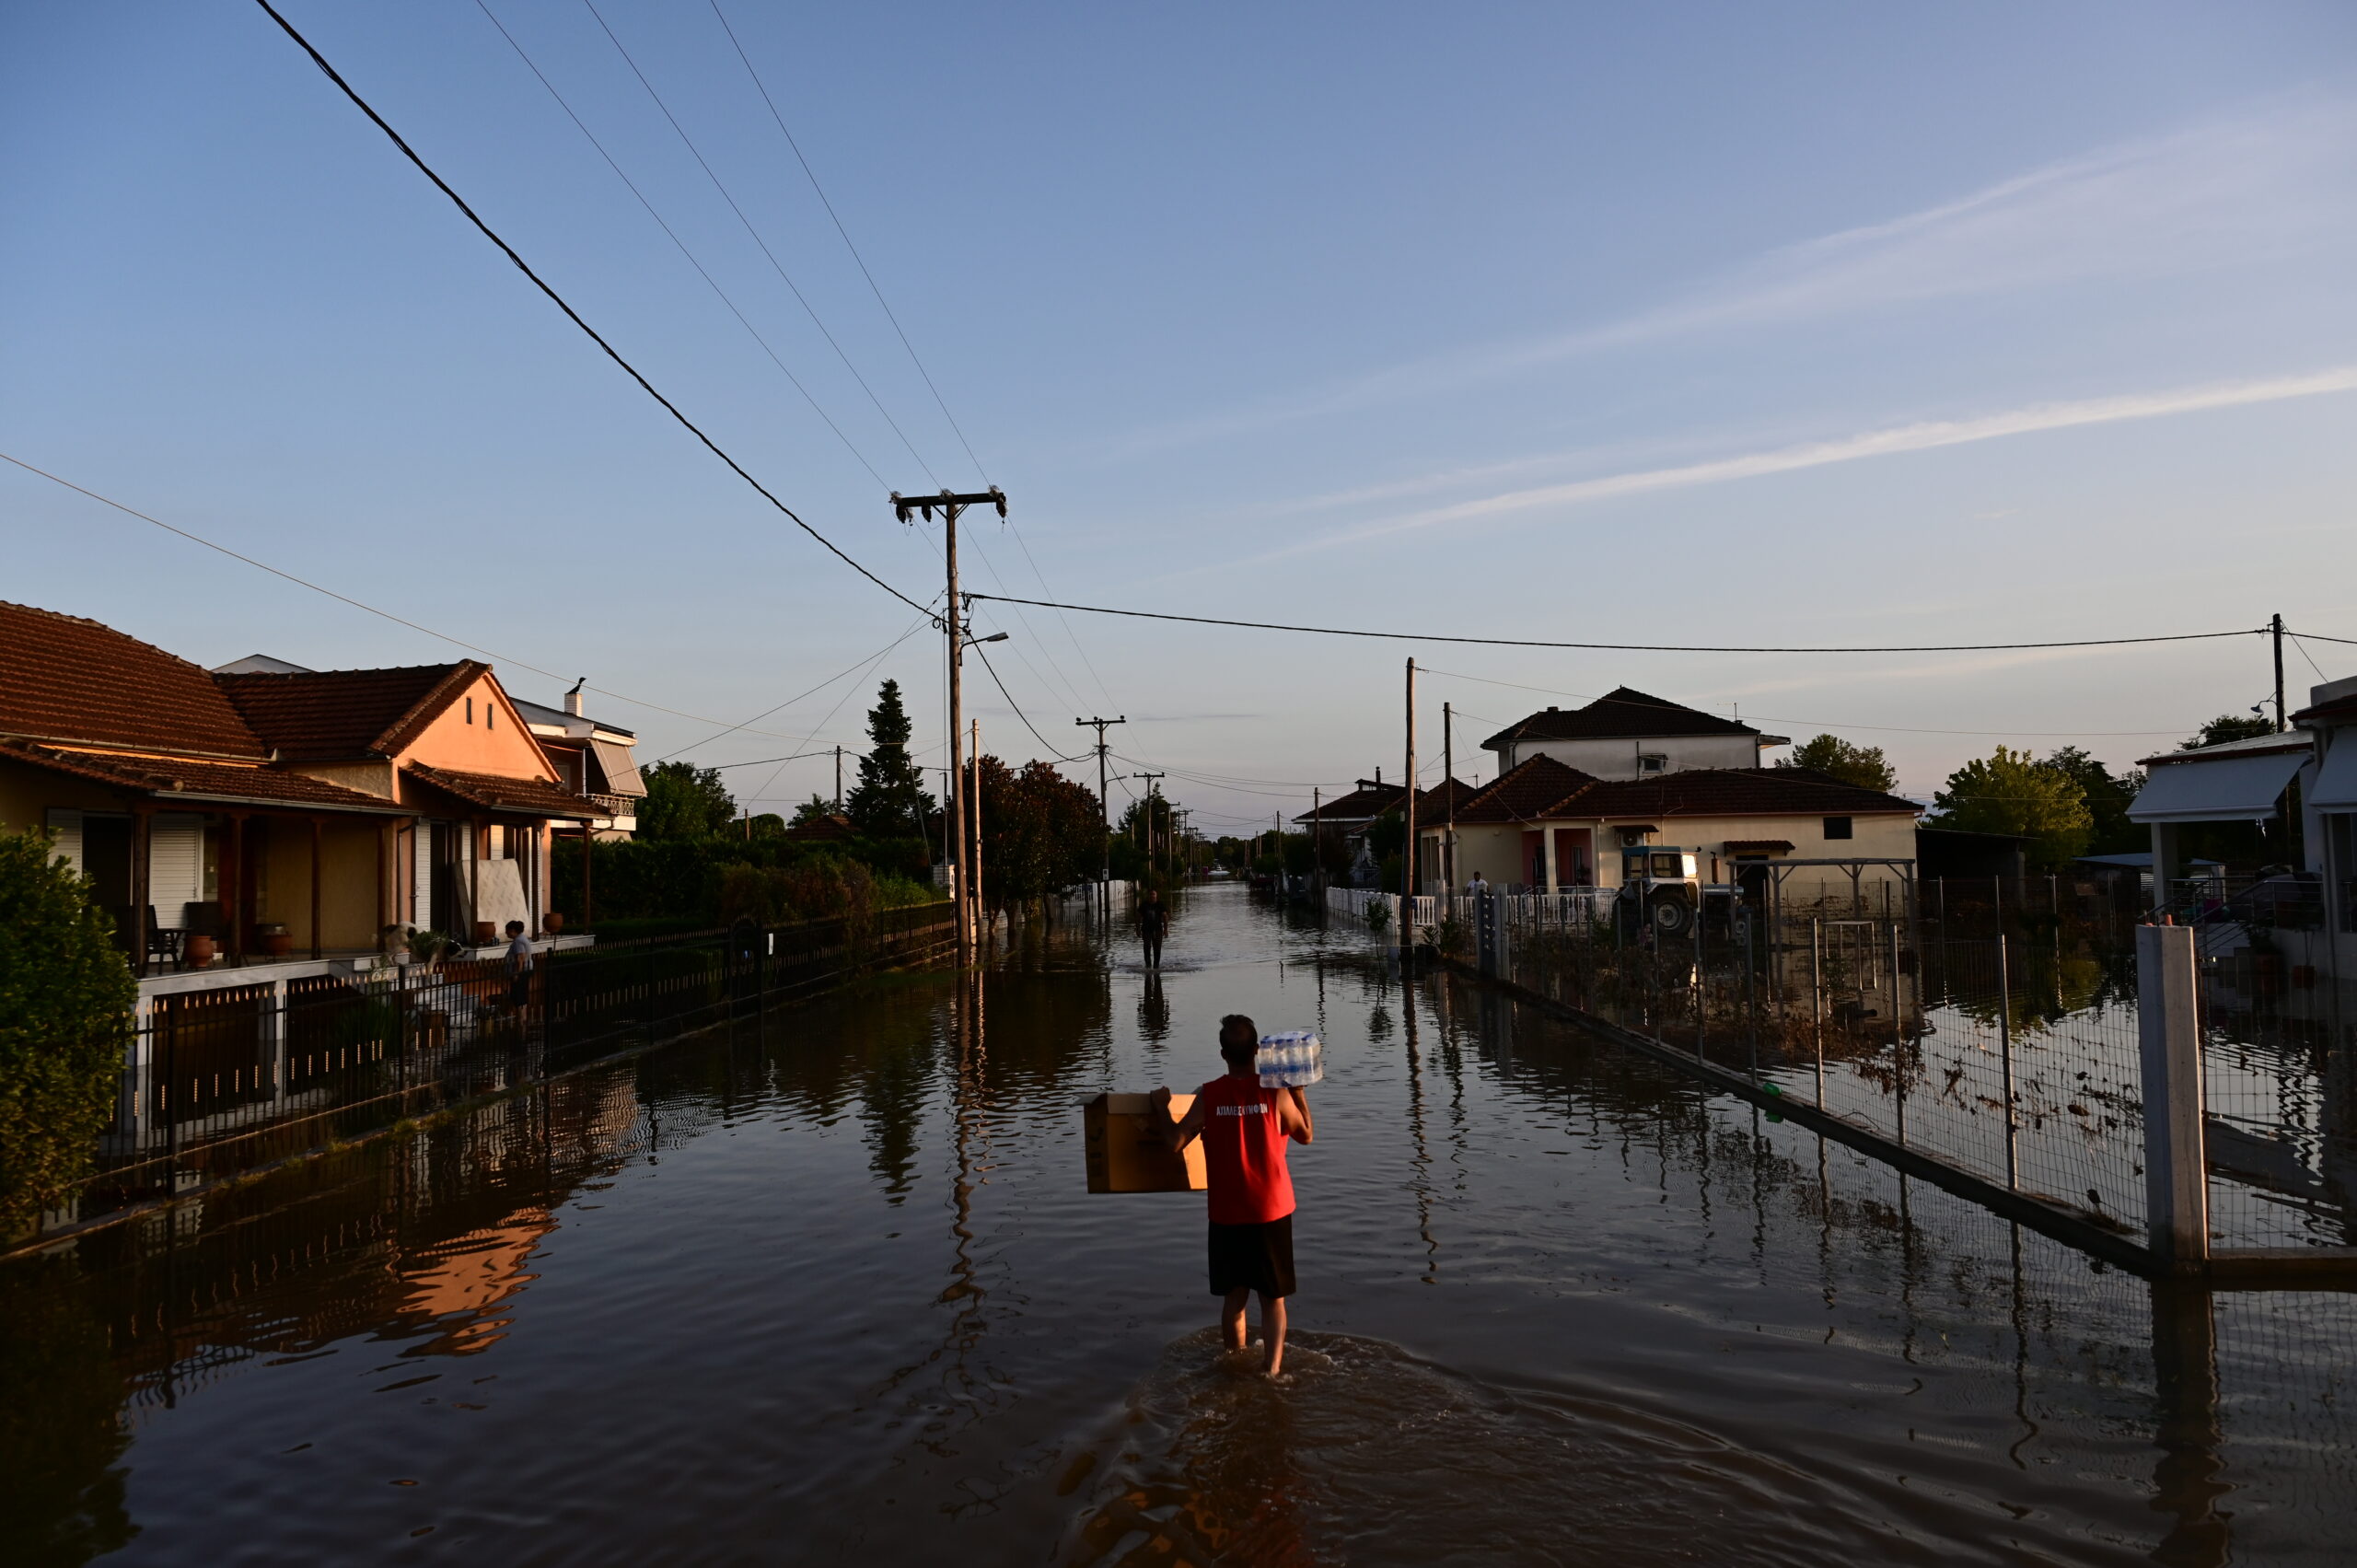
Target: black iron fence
230	1079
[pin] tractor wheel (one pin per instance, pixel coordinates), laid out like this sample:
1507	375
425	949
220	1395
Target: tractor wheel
1672	916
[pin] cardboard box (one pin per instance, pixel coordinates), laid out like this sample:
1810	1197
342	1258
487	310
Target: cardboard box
1127	1155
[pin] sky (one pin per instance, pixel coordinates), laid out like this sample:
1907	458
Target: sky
1815	325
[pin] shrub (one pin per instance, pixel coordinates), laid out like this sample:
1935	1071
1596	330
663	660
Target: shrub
66	1002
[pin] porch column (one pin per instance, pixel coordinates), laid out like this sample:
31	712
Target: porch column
140	836
233	878
588	836
315	886
476	832
1547	849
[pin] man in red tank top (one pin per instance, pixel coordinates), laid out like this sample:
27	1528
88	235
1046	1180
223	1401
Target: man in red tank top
1244	1127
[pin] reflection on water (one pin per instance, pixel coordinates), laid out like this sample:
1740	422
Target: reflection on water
831	1290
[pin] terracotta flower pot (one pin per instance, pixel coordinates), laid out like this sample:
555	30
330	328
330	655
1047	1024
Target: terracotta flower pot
485	933
553	923
197	951
278	944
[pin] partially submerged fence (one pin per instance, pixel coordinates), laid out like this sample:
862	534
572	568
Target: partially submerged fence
2014	1051
224	1081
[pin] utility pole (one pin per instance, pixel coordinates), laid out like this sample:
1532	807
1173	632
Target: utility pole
974	812
1104	805
2276	626
1408	809
951	505
839	781
1151	824
1316	840
1448	783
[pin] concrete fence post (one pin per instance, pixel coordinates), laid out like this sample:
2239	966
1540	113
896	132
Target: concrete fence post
2177	1186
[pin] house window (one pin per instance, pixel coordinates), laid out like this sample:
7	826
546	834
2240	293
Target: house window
489	717
1650	762
1837	826
470	710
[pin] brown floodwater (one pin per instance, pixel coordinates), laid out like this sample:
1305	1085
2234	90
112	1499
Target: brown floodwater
830	1289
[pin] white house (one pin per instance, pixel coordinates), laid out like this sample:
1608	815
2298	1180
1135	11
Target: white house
1627	735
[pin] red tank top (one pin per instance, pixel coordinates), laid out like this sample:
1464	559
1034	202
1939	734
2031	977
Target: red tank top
1244	1152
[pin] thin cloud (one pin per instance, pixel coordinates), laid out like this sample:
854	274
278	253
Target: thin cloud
1925	436
2229	192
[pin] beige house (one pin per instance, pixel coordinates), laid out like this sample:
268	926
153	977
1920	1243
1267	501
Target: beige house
1547	827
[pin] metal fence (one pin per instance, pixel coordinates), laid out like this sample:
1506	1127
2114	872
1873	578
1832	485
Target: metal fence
227	1080
1989	1024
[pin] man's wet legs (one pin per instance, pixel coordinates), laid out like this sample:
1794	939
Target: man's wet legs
1273	1327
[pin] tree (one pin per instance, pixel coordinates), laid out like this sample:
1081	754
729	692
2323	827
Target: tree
1835	757
2228	727
2108	797
818	808
2010	792
1041	833
684	801
65	1000
890	801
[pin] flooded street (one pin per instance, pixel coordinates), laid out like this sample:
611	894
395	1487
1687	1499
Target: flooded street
827	1291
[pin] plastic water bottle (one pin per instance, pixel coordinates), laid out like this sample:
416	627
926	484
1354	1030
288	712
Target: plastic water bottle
1293	1060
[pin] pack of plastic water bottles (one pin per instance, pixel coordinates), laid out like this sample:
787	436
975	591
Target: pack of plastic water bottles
1293	1060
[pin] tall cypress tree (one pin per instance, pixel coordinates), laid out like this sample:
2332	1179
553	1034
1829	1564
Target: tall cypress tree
890	801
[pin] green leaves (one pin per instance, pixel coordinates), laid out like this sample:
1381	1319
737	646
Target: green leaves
2008	792
1835	757
66	995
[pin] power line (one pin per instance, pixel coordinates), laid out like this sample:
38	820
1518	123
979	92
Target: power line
742	321
370	608
1018	709
1622	647
572	315
762	88
779	267
756	718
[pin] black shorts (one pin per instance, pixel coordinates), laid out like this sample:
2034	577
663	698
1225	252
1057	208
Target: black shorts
519	990
1253	1256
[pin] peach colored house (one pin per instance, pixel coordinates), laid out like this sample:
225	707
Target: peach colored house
273	814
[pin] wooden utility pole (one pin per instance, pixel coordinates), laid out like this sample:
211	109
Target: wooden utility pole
951	505
1317	839
1408	810
839	781
2276	626
1448	783
974	828
1151	827
1104	805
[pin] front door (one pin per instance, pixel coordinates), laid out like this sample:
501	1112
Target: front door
1534	859
1573	866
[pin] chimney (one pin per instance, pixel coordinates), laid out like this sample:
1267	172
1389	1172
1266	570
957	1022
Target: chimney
573	698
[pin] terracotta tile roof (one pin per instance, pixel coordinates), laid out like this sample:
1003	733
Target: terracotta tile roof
1366	803
1544	788
1757	846
65	678
1621	713
338	714
1525	793
199	779
532	797
1737	792
1431	804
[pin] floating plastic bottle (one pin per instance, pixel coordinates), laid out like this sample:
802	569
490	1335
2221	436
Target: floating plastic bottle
1293	1060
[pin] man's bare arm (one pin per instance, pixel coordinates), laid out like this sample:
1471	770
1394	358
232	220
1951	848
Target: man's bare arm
1177	1132
1295	1107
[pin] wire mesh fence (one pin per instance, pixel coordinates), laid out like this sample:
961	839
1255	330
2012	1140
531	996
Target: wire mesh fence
1991	1023
227	1080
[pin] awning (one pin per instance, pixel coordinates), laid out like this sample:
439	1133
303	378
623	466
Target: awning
2336	785
621	773
2232	789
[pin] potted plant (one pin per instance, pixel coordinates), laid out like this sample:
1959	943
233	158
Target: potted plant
553	923
197	950
277	940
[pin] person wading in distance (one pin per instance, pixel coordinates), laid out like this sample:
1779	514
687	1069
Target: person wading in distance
1244	1127
1154	924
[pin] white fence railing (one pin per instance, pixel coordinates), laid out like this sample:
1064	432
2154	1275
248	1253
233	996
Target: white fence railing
1577	908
